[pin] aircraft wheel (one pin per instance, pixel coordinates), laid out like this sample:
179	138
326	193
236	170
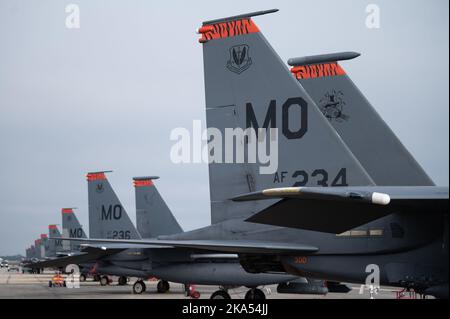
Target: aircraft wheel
82	277
255	294
50	284
104	281
163	286
96	277
123	281
139	287
220	294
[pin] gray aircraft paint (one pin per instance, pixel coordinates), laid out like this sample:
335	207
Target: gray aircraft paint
153	216
169	264
266	79
37	249
71	228
45	246
359	125
54	245
396	251
393	251
107	217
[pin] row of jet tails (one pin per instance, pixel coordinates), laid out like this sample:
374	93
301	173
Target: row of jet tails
347	196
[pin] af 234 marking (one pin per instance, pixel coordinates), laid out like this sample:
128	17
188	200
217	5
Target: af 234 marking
318	177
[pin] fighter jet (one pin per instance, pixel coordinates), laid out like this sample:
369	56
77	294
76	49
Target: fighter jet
154	218
248	85
176	265
184	266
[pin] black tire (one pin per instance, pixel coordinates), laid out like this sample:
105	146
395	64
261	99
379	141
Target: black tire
82	277
139	287
255	294
220	294
96	277
163	287
104	281
122	281
50	284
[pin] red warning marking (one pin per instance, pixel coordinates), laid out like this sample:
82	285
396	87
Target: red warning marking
43	236
227	30
51	226
317	70
67	211
143	183
206	28
95	177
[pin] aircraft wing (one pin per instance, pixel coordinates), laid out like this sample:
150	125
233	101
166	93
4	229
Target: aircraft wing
339	209
87	255
227	246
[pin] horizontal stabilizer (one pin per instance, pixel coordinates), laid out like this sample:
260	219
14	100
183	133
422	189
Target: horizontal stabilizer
336	210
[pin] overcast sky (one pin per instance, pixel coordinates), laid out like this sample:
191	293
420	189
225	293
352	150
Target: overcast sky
107	95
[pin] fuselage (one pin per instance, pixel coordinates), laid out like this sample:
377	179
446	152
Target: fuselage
409	250
186	267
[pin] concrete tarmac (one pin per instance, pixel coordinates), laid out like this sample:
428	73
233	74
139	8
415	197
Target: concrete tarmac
14	285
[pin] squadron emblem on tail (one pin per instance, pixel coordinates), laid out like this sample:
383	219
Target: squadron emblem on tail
239	59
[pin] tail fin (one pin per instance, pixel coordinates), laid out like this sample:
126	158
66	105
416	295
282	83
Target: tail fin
107	217
247	85
45	251
55	245
71	229
40	249
153	216
32	252
37	249
374	144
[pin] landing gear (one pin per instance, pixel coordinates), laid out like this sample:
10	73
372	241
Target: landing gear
163	287
139	287
255	294
82	277
220	294
104	281
96	277
123	281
